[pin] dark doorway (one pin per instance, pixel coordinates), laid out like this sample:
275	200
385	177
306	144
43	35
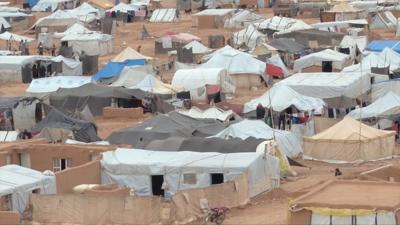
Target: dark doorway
217	178
156	185
327	66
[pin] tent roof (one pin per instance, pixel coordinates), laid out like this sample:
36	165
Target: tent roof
379	45
75	29
258	129
249	36
350	129
152	85
210	113
329	85
214	12
386	106
163	16
13	177
123	7
103	4
7	36
129	54
51	84
191	79
315	59
114	69
281	97
84	9
282	24
197	47
94	36
242	19
234	61
344	7
287	45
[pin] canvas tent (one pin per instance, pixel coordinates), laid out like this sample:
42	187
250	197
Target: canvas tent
245	70
287	45
114	69
383	20
380	89
242	19
17	68
59	21
281	97
386	58
151	84
82	130
334	26
210	113
43	86
89	43
211	18
338	90
350	141
258	129
131	76
387	106
101	4
282	25
123	8
67	66
164	126
192	79
186	170
53	5
339	60
17	183
346	11
75	29
197	48
7	36
164	16
129	54
355	45
249	37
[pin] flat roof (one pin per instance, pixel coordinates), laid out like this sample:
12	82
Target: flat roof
352	195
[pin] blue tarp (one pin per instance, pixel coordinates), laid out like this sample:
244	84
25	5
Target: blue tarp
113	69
31	2
379	45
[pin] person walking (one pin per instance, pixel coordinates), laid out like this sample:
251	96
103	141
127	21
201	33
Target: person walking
260	111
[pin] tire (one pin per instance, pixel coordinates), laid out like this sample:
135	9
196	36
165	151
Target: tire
220	219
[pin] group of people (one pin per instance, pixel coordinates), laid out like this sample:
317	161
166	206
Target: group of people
23	47
40	49
39	70
280	120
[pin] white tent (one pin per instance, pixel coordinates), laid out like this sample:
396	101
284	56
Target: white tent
276	60
290	144
380	89
69	67
59	16
387	57
123	7
355	44
197	47
164	16
282	25
77	28
7	136
191	79
182	170
387	106
4	23
7	36
90	43
338	89
132	75
244	68
249	36
281	97
242	19
339	60
10	12
337	25
52	84
153	85
383	20
210	113
43	5
11	67
17	183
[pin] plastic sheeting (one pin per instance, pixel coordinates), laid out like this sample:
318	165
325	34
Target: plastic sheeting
114	69
210	113
52	84
134	167
243	19
282	24
19	182
258	129
249	37
164	16
282	97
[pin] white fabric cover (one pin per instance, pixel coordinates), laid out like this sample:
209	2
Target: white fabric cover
197	47
75	29
133	168
234	61
210	113
258	129
329	85
164	16
7	36
336	25
52	84
4	23
339	60
58	15
380	89
132	75
90	43
70	67
282	24
123	7
214	12
42	5
282	97
11	66
242	19
7	136
153	85
191	79
387	57
354	43
20	182
249	36
387	106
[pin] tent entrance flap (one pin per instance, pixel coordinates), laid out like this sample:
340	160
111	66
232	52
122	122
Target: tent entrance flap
157	185
217	178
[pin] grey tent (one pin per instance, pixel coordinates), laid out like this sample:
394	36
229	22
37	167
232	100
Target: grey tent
82	130
197	144
165	126
287	45
305	37
96	97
